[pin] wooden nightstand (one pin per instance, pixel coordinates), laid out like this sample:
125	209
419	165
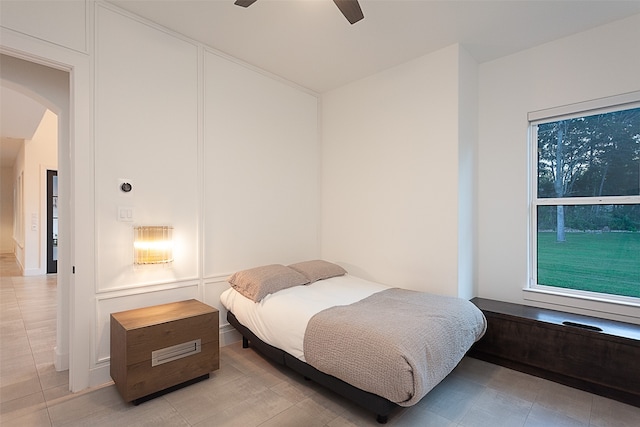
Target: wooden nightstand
158	349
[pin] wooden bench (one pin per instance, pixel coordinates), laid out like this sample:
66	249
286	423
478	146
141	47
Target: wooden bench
596	355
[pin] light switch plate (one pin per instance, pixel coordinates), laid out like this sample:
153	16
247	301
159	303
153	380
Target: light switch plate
125	214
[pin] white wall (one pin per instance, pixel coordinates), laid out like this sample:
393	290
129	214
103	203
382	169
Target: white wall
18	178
391	153
36	18
598	63
146	129
36	156
225	154
40	154
467	159
6	210
261	173
150	122
261	169
146	132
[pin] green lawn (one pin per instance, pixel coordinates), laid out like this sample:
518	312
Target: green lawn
598	262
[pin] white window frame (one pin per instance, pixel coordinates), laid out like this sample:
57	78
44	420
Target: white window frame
590	301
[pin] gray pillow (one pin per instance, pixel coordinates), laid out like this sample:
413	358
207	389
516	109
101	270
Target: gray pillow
258	282
318	269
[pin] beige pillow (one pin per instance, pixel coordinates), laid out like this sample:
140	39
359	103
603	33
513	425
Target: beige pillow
318	269
258	282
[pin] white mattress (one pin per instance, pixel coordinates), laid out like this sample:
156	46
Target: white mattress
280	319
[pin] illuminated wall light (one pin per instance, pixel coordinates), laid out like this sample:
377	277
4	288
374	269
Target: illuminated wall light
152	245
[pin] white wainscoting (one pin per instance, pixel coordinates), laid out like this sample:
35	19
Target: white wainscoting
213	287
138	298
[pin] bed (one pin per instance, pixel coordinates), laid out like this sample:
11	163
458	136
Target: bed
379	346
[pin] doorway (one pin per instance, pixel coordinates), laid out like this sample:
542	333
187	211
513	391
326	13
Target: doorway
52	221
50	86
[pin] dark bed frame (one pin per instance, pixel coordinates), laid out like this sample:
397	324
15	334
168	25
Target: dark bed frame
372	402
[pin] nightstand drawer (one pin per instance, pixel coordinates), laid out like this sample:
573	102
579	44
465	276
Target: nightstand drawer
159	347
142	341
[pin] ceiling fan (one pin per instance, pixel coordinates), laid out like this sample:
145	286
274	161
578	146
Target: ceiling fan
349	8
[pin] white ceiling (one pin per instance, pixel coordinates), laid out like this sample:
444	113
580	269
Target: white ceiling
19	119
310	43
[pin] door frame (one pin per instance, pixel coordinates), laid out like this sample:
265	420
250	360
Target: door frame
76	187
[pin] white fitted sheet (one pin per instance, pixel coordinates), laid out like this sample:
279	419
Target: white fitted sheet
280	319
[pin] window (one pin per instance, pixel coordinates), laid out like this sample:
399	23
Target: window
585	200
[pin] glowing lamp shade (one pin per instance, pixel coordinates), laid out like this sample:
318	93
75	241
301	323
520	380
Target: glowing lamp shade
153	245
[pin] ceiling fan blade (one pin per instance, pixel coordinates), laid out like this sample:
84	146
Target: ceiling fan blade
244	3
350	9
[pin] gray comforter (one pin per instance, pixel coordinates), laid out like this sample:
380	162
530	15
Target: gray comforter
397	343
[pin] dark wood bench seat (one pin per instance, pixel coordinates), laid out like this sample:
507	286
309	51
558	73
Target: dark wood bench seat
592	354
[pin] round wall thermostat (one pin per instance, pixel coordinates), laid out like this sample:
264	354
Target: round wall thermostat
126	187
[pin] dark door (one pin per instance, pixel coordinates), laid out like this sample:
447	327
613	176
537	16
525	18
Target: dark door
52	221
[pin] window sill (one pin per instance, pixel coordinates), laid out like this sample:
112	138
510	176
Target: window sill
621	311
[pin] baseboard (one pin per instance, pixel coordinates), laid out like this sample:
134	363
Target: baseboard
229	335
60	360
33	272
100	376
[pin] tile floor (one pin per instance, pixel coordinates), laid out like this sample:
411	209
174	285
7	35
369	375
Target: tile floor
249	391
